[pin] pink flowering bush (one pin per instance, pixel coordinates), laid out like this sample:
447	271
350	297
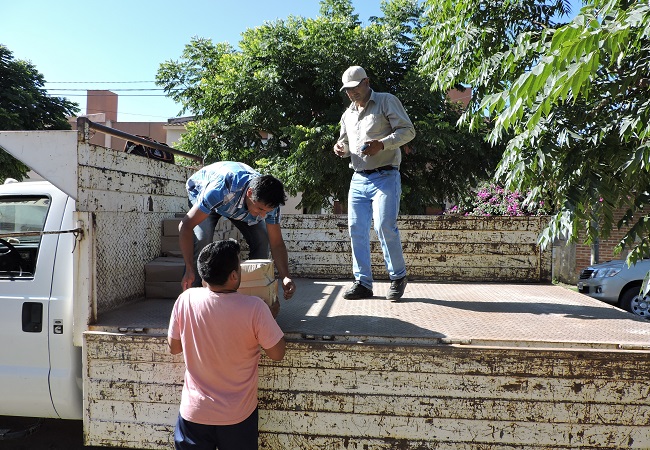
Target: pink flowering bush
493	200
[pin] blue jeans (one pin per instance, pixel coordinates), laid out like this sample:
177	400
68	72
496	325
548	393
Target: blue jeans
375	196
255	236
195	436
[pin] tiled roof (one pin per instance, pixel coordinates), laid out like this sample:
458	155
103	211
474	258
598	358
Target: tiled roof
180	120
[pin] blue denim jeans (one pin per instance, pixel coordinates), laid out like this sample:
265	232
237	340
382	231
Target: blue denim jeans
255	236
375	197
195	436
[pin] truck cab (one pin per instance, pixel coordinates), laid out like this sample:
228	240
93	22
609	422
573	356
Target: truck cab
40	368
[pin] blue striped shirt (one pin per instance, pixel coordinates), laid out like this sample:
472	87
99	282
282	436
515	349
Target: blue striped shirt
222	187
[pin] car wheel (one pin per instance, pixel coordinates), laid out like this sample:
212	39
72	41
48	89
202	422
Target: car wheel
631	302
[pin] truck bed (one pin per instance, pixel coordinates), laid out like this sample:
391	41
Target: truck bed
492	314
453	365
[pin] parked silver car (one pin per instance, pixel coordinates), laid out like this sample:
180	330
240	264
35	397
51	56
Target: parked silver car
614	282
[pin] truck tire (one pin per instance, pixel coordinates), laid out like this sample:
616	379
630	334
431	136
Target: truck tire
631	302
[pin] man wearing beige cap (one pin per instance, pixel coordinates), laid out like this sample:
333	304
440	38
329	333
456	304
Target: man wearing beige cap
373	128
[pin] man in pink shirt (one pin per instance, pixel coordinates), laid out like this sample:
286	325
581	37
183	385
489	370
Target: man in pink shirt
220	332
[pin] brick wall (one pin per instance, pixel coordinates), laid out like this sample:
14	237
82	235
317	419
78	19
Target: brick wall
606	247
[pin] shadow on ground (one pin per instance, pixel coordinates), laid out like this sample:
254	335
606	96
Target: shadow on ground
22	433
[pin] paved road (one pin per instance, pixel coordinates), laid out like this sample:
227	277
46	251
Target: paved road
50	434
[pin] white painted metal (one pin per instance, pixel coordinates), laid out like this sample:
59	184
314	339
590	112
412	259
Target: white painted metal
85	303
65	358
332	395
39	370
449	248
51	154
126	197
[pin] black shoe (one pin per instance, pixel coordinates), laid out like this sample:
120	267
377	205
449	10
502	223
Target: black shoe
357	291
396	289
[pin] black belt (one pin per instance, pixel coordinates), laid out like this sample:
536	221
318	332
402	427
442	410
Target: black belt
368	172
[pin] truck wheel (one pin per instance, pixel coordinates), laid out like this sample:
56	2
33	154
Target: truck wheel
631	302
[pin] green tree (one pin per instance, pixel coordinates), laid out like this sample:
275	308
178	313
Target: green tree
285	80
25	105
570	101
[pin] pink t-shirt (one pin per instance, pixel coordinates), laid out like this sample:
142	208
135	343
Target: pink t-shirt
221	336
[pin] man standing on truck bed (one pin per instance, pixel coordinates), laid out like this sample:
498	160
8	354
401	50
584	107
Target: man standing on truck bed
220	332
252	203
373	128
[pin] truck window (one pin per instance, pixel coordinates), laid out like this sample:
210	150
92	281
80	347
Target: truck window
18	253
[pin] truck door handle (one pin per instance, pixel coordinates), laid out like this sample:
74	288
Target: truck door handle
32	317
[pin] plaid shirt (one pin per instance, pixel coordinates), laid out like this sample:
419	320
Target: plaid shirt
222	187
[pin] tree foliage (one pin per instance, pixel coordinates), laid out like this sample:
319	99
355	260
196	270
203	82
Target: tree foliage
284	80
570	101
25	105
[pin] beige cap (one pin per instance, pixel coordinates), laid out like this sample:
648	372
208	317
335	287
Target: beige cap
353	76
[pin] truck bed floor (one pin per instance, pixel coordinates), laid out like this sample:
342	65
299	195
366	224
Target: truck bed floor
522	315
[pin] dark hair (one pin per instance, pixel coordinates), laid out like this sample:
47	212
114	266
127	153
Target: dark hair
268	190
217	260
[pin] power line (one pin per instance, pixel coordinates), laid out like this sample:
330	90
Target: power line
90	95
63	92
122	90
96	82
122	113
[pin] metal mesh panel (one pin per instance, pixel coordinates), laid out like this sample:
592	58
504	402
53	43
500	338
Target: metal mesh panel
120	268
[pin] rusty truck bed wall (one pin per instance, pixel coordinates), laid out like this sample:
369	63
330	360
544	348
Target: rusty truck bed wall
356	396
123	199
452	366
369	396
450	248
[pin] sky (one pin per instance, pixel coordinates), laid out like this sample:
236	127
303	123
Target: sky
114	44
119	45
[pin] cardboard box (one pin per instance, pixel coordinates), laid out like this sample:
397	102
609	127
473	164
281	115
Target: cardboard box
268	293
165	268
257	272
170	227
162	289
169	246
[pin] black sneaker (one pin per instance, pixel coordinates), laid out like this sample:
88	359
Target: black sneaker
357	291
396	289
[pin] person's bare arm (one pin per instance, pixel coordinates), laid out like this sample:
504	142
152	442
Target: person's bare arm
175	346
186	241
276	353
280	258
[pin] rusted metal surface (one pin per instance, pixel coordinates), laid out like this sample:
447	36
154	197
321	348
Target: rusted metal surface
454	366
326	394
84	125
128	197
449	248
131	391
406	398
